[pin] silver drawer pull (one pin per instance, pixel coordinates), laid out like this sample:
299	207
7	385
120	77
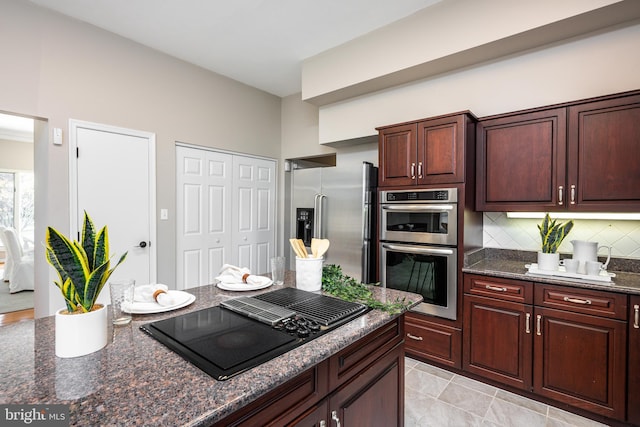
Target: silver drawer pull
334	417
538	325
636	316
495	288
577	300
413	337
528	323
560	195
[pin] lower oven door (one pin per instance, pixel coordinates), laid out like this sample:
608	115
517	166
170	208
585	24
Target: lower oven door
426	270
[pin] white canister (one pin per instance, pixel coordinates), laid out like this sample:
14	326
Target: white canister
309	274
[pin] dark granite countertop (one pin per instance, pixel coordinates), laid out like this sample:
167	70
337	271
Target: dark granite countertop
135	380
511	265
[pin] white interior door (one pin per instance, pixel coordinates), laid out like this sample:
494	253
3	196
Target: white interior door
203	216
113	179
225	213
254	187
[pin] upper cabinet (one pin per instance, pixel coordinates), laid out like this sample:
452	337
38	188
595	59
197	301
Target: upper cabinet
429	151
583	156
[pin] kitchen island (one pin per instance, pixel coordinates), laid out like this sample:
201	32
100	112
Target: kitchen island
136	380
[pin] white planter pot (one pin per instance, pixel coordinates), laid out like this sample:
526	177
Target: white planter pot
81	334
548	261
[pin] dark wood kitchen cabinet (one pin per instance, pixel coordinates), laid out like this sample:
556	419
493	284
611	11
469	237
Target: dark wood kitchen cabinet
604	155
497	330
432	341
580	348
566	344
633	374
582	156
521	161
430	151
362	384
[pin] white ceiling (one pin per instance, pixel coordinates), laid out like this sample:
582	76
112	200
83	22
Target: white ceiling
261	43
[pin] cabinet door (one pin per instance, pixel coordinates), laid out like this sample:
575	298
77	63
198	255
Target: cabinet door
633	404
373	398
397	151
441	144
497	340
581	360
521	162
604	155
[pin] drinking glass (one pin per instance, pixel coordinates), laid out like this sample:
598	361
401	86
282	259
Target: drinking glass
121	300
277	270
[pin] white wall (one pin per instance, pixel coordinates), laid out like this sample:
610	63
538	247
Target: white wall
599	64
58	68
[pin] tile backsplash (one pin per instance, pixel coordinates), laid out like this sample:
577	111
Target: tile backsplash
502	232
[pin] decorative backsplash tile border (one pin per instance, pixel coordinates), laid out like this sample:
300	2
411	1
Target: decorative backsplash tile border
502	232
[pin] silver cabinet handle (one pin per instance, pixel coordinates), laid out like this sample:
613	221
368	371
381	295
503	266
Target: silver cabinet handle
323	423
573	194
538	325
413	171
560	195
334	417
577	300
419	169
413	337
495	288
636	316
528	323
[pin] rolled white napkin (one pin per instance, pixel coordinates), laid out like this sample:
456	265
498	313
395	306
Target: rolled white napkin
153	293
234	275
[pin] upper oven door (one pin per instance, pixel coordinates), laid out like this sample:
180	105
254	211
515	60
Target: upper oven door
431	223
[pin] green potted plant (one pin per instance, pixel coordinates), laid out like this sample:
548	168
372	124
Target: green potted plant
83	269
552	233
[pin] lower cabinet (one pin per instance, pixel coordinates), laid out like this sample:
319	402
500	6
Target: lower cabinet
633	388
362	384
569	345
429	340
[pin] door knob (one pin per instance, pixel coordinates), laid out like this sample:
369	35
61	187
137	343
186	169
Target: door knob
142	244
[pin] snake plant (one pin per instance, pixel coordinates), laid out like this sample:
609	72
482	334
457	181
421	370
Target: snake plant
553	233
83	267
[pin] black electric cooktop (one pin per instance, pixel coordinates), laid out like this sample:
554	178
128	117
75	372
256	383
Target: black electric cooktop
245	332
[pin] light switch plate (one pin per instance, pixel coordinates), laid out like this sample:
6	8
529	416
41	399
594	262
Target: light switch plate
57	136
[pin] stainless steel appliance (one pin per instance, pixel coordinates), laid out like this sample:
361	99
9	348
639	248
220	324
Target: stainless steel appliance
245	332
418	247
424	216
342	199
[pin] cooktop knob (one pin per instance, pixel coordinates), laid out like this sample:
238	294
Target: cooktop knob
291	327
303	332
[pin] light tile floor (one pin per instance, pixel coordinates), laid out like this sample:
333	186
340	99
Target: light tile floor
435	397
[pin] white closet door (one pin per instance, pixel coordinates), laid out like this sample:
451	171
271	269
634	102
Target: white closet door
254	190
203	217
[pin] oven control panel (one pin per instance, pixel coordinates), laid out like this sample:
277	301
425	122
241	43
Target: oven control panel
440	195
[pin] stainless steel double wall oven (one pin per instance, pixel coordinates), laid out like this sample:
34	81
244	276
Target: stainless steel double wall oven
418	246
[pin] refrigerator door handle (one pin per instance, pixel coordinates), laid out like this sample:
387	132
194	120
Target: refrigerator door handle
318	216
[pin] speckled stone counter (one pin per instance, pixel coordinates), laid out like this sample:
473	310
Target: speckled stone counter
136	381
511	265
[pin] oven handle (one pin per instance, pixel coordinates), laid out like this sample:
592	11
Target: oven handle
417	249
425	207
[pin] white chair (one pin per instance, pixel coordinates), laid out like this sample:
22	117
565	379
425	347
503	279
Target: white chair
22	275
8	262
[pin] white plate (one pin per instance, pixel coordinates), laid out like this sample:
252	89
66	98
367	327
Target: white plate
181	298
243	286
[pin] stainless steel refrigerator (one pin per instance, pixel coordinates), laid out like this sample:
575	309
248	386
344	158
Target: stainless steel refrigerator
339	203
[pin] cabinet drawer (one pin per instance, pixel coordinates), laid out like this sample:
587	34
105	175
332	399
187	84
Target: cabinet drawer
494	287
432	341
358	356
578	300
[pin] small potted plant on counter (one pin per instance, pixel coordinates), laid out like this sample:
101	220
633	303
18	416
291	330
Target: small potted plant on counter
83	269
552	234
